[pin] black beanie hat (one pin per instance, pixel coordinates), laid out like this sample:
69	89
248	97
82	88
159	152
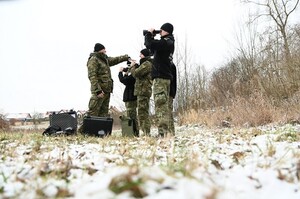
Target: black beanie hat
145	52
167	27
98	47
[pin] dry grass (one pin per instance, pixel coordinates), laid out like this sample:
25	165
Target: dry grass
253	111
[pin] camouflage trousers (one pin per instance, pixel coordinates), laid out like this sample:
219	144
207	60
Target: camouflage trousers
172	127
131	111
99	106
143	114
161	90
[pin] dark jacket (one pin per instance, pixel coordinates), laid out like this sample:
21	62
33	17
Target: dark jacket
128	81
173	85
163	50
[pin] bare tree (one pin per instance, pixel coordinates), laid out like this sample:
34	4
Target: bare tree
279	57
182	61
279	11
198	97
37	117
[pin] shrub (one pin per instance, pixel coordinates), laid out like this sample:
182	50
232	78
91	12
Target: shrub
3	123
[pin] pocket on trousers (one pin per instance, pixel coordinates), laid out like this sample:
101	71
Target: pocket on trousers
93	102
160	98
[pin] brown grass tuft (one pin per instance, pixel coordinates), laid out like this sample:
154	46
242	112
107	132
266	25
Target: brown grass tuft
255	110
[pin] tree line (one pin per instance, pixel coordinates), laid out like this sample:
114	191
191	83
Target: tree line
266	66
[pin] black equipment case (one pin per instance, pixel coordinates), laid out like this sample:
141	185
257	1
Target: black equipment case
64	122
97	126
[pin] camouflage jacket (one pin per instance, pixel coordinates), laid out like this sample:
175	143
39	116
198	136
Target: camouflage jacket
99	71
143	79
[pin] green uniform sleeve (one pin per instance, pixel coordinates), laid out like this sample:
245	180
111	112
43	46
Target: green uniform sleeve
116	60
144	69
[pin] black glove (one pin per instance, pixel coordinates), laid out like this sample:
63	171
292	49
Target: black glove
128	61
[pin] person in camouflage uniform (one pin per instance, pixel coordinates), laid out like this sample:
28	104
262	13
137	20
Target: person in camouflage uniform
143	89
163	50
99	75
128	96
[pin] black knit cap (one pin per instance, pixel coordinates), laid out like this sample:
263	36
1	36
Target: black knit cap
98	47
167	27
145	52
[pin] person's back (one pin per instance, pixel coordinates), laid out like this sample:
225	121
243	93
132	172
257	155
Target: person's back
129	81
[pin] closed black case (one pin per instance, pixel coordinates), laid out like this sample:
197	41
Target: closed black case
97	126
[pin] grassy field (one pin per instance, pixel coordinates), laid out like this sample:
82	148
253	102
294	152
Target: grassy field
196	163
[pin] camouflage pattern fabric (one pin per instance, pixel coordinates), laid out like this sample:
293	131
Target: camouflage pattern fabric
99	75
99	106
131	111
143	114
143	80
161	90
143	91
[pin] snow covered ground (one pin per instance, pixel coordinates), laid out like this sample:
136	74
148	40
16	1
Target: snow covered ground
198	163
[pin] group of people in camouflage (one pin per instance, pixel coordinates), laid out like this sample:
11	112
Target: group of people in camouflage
155	75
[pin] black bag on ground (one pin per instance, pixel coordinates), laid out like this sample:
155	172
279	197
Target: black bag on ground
51	130
62	123
97	126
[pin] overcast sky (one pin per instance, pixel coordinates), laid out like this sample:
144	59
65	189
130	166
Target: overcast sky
45	44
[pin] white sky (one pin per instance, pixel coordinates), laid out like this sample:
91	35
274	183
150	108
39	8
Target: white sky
44	44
